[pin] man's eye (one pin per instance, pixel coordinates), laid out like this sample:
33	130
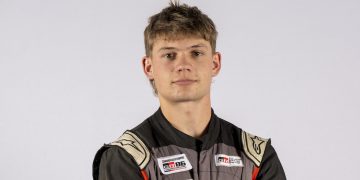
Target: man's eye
170	56
196	53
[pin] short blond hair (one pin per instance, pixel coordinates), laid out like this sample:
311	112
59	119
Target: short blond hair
177	21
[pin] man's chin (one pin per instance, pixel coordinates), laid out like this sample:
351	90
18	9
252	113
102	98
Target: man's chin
187	98
183	98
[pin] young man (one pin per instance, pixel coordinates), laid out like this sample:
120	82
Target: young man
184	139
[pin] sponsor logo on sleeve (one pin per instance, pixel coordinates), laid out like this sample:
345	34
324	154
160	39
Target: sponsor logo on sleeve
228	161
174	164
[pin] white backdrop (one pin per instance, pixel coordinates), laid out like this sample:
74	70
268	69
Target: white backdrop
71	80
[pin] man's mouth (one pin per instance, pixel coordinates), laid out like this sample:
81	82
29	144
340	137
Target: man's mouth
184	81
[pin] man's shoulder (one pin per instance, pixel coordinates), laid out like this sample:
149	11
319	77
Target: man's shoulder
129	148
137	139
252	145
134	146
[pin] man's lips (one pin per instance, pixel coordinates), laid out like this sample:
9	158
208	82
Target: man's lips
184	81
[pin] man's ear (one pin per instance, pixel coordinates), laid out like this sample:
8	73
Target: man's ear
216	64
147	67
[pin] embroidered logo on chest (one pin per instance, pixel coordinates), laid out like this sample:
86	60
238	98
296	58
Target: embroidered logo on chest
228	161
174	164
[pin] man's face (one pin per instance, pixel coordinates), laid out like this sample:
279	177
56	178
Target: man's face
182	69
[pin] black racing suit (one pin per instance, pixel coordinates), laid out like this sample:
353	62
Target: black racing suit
225	152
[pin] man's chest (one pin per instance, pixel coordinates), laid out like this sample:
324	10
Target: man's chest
221	161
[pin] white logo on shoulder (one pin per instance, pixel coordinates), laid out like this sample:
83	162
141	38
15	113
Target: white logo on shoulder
228	161
174	164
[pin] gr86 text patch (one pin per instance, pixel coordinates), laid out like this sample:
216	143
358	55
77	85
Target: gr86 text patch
174	164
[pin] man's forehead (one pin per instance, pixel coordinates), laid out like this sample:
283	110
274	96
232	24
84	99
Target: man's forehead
180	41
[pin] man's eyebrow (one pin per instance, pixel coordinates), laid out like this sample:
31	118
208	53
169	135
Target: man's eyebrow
197	46
166	48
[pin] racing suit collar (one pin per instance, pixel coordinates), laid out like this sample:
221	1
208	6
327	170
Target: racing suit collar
173	136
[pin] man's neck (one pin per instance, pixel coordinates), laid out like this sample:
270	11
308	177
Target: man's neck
191	118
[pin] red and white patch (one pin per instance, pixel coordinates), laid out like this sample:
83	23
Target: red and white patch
228	161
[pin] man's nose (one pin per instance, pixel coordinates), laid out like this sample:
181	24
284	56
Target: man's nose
183	64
